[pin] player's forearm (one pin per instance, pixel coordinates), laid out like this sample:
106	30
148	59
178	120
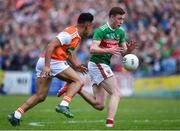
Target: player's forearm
48	54
73	60
99	50
95	48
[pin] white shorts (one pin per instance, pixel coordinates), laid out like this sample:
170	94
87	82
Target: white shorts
99	72
55	66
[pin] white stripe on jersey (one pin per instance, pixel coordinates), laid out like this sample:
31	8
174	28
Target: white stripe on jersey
104	27
121	28
75	34
65	38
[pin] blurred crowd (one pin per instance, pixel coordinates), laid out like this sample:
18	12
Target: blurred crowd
27	26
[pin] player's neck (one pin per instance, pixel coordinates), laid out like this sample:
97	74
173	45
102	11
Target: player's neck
110	24
79	29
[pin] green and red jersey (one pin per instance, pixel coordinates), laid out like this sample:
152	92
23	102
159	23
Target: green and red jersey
109	37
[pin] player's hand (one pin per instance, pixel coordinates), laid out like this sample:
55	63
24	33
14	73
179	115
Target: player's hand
132	45
46	72
116	50
82	69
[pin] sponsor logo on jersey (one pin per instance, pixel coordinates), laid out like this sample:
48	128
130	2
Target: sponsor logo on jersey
109	43
108	71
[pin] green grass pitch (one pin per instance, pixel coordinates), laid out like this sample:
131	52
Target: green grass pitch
133	114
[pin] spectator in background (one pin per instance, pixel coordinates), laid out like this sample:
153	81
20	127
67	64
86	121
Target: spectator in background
30	22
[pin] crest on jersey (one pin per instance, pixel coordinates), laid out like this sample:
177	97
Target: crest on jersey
116	37
108	72
70	50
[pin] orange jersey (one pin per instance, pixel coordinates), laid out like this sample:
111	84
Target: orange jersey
69	39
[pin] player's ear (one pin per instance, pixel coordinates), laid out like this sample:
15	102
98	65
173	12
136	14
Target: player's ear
112	16
88	25
84	25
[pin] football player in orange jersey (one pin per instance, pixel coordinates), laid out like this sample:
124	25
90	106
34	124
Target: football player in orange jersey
53	63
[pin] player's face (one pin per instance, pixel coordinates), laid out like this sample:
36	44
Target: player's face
117	20
88	28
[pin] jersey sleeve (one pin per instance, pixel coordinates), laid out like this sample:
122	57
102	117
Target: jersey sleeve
98	34
123	37
64	37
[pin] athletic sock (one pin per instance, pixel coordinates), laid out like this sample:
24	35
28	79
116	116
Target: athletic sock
18	113
66	100
109	122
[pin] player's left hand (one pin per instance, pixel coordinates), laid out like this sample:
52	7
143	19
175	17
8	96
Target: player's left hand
46	72
81	68
132	45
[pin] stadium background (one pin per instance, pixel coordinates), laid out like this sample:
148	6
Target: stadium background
27	26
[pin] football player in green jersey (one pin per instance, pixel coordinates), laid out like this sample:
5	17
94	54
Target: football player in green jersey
108	40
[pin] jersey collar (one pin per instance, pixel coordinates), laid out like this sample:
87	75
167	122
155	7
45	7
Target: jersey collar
109	26
77	31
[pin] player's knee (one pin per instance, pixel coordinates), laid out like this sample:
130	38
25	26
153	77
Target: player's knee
116	93
80	83
100	107
41	97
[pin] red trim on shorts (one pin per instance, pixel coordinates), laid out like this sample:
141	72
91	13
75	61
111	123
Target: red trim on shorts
102	71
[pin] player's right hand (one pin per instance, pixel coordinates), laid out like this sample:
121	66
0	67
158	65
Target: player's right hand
46	72
116	50
81	68
132	45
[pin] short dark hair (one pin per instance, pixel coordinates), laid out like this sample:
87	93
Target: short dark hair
116	11
85	17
